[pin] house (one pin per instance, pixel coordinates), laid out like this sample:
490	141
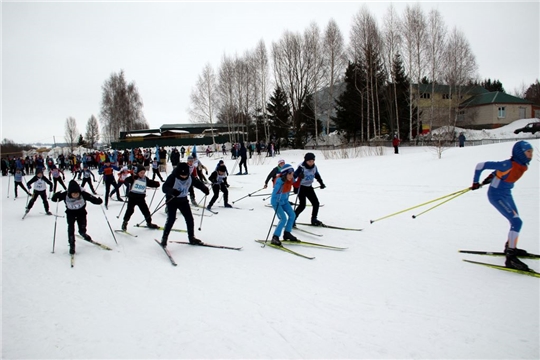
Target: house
493	110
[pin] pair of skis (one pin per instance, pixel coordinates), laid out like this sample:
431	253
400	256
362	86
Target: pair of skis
500	267
301	243
104	247
171	259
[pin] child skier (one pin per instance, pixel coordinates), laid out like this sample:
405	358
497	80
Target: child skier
17	180
501	182
307	172
40	190
218	179
122	176
108	178
176	187
137	184
75	200
155	170
86	173
274	173
55	172
280	203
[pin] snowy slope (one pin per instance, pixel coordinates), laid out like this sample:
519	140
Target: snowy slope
400	290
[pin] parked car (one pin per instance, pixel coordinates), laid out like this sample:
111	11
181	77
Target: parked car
530	127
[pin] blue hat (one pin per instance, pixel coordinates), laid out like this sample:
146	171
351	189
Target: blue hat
286	169
518	152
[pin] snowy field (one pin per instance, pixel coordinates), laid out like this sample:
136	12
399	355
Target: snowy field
399	291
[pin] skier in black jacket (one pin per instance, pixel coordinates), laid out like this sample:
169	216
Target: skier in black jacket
218	179
137	184
273	174
176	188
75	200
40	190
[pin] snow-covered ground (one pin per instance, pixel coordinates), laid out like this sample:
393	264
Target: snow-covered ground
399	290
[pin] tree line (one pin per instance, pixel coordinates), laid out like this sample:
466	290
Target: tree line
294	89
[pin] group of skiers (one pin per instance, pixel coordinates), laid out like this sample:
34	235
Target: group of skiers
184	178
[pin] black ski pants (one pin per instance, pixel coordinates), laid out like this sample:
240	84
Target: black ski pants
309	193
215	189
181	204
141	203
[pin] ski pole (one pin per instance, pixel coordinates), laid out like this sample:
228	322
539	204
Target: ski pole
110	228
159	203
202	215
155	190
234	166
417	206
124	204
55	220
433	207
157	208
247	195
272	223
99	182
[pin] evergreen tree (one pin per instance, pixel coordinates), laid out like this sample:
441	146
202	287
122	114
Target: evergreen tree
398	92
349	105
492	86
306	130
533	93
279	114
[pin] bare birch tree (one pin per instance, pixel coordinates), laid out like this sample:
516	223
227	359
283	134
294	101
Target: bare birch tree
92	132
436	37
261	74
204	99
121	107
413	31
71	134
366	47
392	43
460	68
314	52
291	73
227	101
335	62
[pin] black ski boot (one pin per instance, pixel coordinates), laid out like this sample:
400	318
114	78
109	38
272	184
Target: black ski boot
288	236
48	212
275	241
517	252
150	225
124	226
194	241
164	242
71	245
227	205
513	262
315	222
86	236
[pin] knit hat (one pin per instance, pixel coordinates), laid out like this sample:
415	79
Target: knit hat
183	169
73	187
222	168
286	169
518	152
281	161
190	158
309	156
140	168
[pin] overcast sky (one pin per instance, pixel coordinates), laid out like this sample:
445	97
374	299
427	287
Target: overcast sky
56	56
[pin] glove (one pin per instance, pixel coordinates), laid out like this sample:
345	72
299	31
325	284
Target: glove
100	201
488	179
227	185
301	175
265	186
475	186
322	186
50	189
54	198
174	192
206	172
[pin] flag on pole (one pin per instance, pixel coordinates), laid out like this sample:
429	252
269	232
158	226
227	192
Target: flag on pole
131	157
157	153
